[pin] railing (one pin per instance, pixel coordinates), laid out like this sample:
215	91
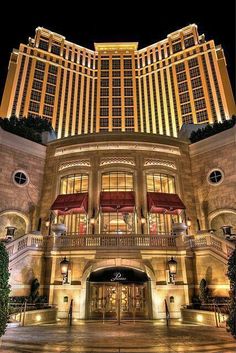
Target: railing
27	241
209	240
114	241
129	242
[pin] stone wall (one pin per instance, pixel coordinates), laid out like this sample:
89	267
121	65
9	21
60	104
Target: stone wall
17	153
218	151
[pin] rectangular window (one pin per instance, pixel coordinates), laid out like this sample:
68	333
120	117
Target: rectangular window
200	104
129	111
116	82
128	92
116	102
129	101
115	64
180	67
104	102
160	183
127	64
128	82
37	85
104	64
104	122
104	111
35	95
116	111
104	92
104	82
50	89
43	44
116	91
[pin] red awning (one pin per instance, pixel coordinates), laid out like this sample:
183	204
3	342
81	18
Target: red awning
71	203
117	201
159	202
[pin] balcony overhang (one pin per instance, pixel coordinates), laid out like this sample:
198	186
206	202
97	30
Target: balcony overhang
71	203
117	201
159	202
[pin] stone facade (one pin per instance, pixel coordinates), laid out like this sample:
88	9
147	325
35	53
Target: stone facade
19	205
199	256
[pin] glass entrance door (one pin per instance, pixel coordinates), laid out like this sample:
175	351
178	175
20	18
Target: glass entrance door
107	301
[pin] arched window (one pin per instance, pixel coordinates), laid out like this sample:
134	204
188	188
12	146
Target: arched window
117	203
159	220
73	184
76	221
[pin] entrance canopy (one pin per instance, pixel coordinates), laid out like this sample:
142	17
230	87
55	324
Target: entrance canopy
117	201
159	202
118	274
71	203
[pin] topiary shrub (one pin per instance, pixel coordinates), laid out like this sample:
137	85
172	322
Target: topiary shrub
4	288
231	273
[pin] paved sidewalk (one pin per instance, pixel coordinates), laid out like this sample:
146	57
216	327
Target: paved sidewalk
129	337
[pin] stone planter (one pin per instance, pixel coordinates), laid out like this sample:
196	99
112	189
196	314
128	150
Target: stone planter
179	228
58	229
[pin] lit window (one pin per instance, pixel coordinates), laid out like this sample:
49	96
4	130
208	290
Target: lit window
74	183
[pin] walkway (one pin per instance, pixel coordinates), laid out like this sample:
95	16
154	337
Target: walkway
129	337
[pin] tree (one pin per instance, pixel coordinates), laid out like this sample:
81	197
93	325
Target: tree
31	127
4	288
231	273
203	291
212	129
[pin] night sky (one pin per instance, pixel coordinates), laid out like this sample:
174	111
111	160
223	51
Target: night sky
86	23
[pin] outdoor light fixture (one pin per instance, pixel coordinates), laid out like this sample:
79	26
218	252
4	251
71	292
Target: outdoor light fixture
92	221
64	264
189	222
47	223
143	220
226	231
10	232
172	265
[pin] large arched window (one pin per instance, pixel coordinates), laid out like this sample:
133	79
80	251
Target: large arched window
160	220
117	203
73	184
75	219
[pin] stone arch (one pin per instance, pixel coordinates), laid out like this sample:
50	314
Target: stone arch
221	216
14	218
131	263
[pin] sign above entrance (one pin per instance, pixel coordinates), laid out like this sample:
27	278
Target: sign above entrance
118	274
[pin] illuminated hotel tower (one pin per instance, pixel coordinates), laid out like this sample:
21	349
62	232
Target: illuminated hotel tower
180	80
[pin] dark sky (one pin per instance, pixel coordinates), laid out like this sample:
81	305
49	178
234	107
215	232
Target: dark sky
84	23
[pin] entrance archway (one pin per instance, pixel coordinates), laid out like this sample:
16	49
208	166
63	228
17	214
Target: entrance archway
118	293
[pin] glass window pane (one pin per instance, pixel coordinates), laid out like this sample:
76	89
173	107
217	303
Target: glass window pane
70	186
157	183
164	183
63	186
121	181
84	186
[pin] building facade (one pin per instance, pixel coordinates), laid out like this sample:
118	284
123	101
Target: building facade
117	87
111	204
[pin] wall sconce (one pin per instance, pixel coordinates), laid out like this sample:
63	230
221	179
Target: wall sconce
64	264
47	223
92	221
226	231
189	222
143	220
172	266
10	232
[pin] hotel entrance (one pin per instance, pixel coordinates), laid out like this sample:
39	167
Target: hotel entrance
118	294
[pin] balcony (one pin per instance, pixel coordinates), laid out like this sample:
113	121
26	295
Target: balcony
99	242
71	242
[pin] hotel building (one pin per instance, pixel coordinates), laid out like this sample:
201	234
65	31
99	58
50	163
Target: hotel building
180	80
118	206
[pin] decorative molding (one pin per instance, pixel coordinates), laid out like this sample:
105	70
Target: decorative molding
110	146
163	163
80	163
117	160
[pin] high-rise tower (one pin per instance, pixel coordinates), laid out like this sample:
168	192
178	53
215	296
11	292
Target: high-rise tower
180	80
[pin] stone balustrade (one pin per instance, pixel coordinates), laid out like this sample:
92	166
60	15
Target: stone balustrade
128	242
